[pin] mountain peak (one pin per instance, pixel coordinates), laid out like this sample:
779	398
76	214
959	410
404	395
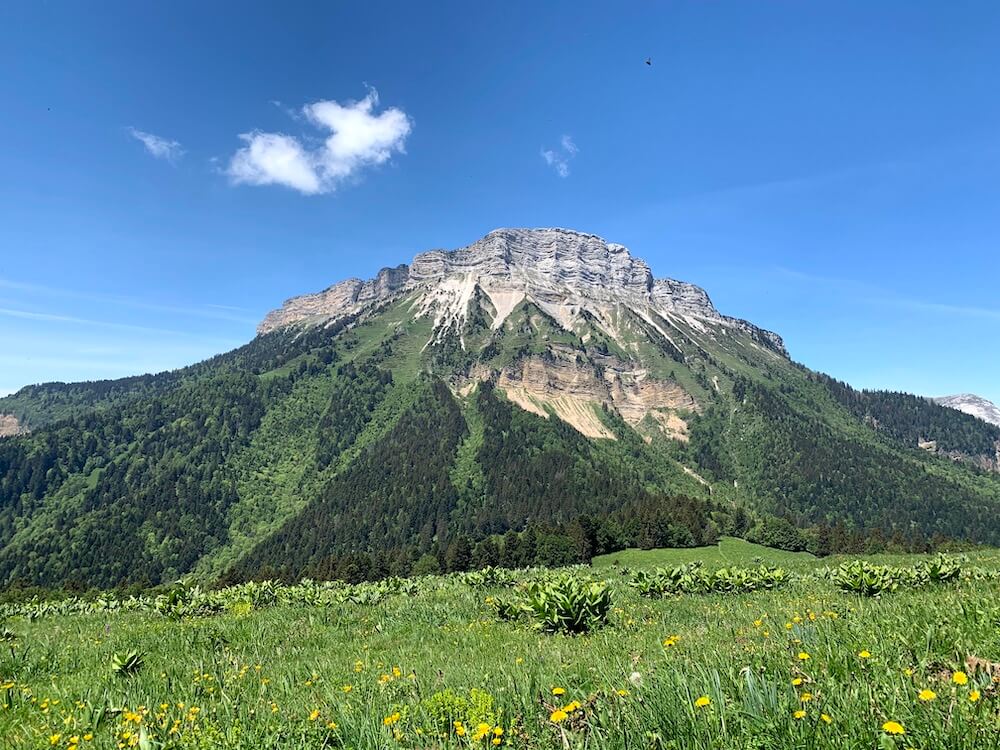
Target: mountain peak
564	272
972	404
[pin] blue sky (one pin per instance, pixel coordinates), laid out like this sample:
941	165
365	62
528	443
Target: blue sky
829	170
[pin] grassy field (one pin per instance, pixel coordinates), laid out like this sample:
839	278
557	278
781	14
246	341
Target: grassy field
431	665
729	551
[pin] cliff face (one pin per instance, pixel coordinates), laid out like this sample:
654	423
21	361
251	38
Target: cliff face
565	273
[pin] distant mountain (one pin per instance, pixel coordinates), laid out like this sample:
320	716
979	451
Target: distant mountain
972	404
536	397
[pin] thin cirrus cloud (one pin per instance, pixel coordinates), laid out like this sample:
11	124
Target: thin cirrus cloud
559	158
158	146
355	136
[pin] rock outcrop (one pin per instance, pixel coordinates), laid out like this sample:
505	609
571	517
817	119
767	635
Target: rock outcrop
9	426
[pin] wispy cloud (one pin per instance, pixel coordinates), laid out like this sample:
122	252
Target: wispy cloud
10	312
559	158
157	146
877	295
211	311
356	137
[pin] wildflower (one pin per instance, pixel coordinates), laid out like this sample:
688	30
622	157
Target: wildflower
703	701
804	656
558	691
331	725
893	727
864	654
498	731
314	715
358	666
825	718
926	695
347	688
806	697
88	737
800	714
481	731
960	678
391	719
622	693
796	681
54	739
558	715
460	729
571	707
974	696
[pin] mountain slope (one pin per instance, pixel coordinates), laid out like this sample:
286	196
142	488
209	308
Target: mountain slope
538	387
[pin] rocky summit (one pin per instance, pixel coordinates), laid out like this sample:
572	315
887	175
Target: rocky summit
567	274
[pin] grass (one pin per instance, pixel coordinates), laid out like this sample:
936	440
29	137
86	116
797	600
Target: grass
729	551
401	672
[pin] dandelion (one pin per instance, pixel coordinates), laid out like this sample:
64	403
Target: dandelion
314	715
804	656
864	654
825	718
960	678
926	695
558	691
622	693
806	697
331	725
800	714
796	681
347	688
558	715
974	696
893	727
460	729
482	731
391	719
703	701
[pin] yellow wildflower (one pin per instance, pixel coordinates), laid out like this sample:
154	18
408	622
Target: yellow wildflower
974	696
825	718
558	691
314	715
703	701
804	656
893	727
796	681
806	697
558	715
926	695
960	678
865	654
800	714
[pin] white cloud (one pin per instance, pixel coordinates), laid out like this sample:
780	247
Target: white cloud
559	158
161	148
357	138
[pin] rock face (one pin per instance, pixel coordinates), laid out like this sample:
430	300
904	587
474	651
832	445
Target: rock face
972	404
9	426
566	273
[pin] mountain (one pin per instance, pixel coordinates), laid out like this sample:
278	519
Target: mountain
972	404
536	397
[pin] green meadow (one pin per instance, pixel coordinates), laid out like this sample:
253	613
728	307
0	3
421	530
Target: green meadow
439	662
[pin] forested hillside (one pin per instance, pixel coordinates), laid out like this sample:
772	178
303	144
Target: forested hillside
439	427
